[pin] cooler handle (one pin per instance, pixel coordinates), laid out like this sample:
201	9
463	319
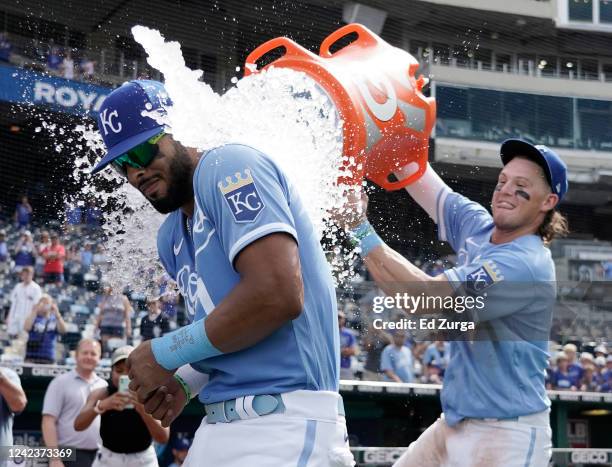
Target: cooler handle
291	48
419	169
365	37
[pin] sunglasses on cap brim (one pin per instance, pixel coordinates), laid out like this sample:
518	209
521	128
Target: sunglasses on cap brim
139	157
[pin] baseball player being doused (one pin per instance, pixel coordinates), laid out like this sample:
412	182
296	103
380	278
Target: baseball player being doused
262	350
495	406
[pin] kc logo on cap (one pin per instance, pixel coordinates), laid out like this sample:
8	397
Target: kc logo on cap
107	121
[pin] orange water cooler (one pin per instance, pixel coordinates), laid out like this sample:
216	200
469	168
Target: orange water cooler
386	118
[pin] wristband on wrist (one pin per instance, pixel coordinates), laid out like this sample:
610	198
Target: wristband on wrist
365	237
185	387
186	345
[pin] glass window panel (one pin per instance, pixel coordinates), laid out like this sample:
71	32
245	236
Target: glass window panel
519	115
580	10
554	121
485	111
452	115
605	11
594	121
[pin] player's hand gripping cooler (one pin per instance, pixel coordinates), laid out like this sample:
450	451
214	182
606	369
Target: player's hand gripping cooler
386	118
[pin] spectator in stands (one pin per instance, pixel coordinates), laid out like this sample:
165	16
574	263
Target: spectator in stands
574	367
23	213
154	323
114	316
600	351
54	256
607	269
374	342
127	431
606	376
93	215
87	67
180	447
432	374
5	256
24	296
72	265
396	361
561	377
169	296
25	252
5	48
590	379
54	60
586	358
43	324
74	216
437	352
86	257
44	242
65	397
348	348
67	66
12	401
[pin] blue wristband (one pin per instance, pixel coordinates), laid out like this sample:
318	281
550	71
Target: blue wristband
186	345
366	238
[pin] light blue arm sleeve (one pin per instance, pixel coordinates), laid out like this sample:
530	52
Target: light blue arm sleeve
460	218
503	280
244	195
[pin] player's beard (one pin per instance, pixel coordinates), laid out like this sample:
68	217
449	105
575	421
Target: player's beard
180	183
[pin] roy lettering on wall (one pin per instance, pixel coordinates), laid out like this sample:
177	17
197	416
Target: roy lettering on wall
66	96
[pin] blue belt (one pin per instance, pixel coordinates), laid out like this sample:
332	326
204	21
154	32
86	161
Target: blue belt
264	404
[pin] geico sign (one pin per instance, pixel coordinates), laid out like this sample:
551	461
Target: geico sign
67	96
589	457
382	456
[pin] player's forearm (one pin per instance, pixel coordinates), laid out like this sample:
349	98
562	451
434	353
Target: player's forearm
394	274
426	191
254	310
13	395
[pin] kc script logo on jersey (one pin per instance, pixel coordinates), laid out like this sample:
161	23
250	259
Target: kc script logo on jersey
483	277
242	196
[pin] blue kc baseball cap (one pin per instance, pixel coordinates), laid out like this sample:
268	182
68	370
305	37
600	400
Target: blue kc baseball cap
121	121
553	166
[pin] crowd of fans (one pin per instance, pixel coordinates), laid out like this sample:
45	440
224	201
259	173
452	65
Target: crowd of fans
56	307
55	60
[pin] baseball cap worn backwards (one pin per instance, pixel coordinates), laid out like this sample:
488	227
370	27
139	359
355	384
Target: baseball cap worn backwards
121	121
553	166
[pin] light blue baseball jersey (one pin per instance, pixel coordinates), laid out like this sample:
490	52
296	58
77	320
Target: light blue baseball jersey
241	195
504	366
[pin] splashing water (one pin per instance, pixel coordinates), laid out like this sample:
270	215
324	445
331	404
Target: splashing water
281	112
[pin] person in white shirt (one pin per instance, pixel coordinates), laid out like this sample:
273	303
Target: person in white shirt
23	298
68	66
